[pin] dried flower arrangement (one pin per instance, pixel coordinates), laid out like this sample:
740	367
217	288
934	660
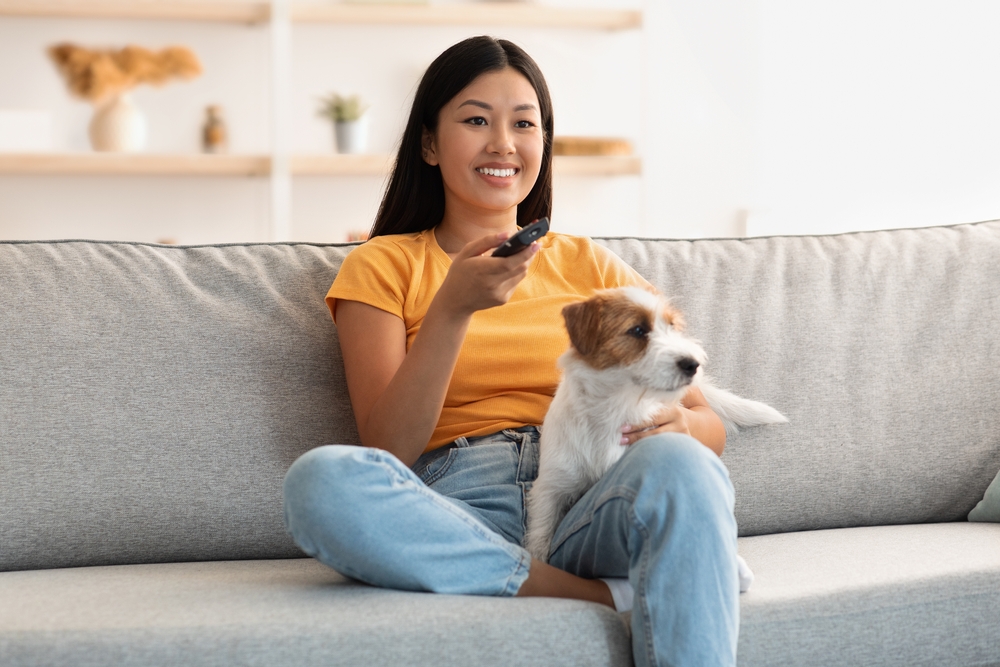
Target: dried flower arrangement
96	75
342	109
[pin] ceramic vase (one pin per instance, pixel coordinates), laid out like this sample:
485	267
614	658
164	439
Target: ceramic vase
118	126
352	136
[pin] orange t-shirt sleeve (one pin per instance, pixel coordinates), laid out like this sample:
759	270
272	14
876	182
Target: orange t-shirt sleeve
615	272
376	273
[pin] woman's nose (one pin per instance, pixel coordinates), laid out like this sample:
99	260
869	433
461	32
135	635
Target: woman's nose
501	141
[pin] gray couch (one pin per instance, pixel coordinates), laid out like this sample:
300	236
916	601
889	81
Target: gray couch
152	397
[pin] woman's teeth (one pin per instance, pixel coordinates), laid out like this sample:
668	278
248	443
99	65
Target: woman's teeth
497	172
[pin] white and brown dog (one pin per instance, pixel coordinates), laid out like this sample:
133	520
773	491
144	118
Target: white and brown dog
629	358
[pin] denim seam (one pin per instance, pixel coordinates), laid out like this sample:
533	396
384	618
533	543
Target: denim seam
524	492
513	551
523	566
644	617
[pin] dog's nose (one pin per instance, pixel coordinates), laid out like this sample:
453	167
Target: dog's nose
688	366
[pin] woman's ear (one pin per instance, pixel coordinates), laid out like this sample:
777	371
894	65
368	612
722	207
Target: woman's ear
428	149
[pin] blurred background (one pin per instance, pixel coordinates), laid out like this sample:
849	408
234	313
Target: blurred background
728	117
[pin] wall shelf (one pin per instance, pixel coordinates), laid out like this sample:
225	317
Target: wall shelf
194	164
486	13
598	165
333	164
169	10
310	12
111	164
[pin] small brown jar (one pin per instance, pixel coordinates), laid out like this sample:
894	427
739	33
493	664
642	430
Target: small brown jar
213	134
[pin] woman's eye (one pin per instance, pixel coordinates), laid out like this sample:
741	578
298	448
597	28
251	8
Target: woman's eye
478	120
523	124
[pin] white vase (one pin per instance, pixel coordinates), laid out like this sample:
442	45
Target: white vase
352	136
118	126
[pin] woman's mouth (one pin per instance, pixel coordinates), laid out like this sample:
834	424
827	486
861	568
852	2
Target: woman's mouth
500	173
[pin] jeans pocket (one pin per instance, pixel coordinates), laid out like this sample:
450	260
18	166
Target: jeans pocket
431	466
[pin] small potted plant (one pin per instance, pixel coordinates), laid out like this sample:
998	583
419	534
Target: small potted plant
104	78
349	121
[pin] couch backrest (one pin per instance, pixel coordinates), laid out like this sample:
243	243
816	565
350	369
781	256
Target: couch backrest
882	348
152	397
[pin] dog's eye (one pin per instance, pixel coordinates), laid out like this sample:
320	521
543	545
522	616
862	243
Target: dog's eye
638	331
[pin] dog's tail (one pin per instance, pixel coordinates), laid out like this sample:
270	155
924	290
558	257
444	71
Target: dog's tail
736	412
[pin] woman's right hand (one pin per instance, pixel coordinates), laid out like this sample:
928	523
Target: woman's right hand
477	281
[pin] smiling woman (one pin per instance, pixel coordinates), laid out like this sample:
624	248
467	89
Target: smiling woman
450	360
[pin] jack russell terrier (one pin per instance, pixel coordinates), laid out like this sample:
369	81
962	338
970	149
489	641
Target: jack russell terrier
629	358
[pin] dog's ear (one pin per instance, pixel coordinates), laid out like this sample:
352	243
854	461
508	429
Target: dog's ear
583	320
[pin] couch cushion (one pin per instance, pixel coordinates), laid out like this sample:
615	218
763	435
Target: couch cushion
284	612
890	595
880	347
152	398
895	595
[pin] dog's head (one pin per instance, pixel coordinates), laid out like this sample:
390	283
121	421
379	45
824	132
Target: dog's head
638	332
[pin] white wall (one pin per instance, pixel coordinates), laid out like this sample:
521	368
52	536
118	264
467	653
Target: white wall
876	114
752	116
700	88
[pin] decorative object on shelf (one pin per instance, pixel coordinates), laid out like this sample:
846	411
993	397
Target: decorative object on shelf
349	121
590	146
104	78
214	138
356	236
118	126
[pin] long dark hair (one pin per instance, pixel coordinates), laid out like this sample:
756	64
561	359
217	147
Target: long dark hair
414	200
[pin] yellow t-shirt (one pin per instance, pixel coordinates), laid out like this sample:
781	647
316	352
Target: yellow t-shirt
506	372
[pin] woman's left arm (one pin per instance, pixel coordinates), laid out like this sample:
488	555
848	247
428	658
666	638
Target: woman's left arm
693	417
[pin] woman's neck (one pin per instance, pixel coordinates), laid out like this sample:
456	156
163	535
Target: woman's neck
456	230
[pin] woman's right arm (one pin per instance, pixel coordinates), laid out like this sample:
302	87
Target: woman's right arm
397	396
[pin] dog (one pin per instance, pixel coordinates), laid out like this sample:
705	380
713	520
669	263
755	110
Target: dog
629	358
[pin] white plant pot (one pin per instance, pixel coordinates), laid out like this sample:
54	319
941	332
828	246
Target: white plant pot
118	126
352	136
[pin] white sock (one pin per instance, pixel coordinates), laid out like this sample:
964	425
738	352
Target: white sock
746	574
621	593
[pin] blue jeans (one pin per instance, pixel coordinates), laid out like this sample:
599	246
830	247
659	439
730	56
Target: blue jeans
662	516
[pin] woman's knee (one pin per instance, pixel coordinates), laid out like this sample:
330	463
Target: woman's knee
326	480
677	462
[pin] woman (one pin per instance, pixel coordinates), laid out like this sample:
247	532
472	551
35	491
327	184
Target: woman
450	358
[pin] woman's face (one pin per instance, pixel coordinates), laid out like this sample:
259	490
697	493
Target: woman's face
488	144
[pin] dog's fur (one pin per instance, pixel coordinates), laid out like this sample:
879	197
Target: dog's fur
629	358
